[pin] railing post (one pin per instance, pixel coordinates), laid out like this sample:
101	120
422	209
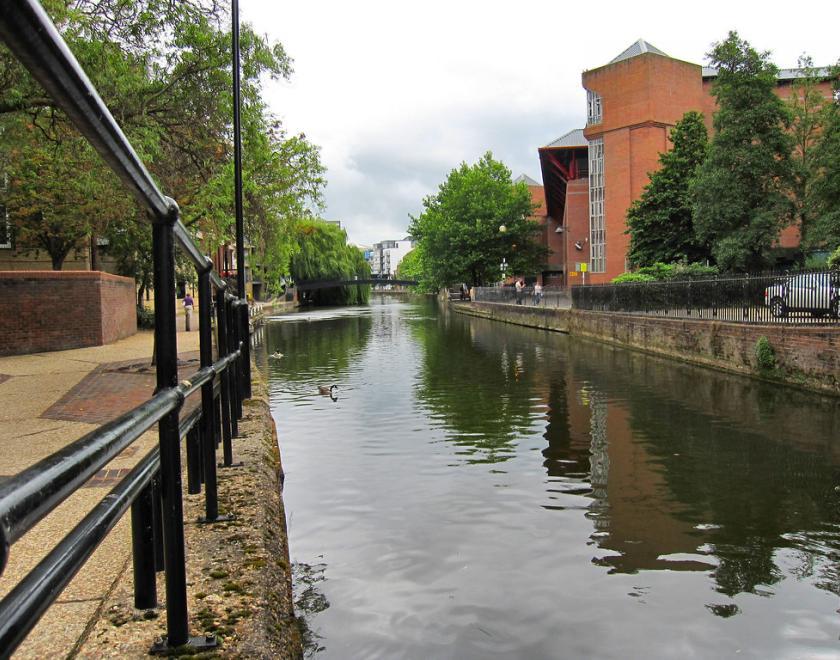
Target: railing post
193	461
245	335
227	431
143	550
169	435
235	371
208	407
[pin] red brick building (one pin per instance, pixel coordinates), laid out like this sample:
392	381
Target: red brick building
591	176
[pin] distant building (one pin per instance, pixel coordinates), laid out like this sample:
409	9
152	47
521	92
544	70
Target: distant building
386	256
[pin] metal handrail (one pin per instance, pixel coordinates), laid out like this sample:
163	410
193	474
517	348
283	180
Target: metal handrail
28	497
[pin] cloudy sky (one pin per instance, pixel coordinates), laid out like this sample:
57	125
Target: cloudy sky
398	93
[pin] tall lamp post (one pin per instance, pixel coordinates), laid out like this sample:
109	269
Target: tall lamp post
240	223
504	265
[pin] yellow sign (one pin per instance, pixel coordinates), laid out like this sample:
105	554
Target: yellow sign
583	268
573	273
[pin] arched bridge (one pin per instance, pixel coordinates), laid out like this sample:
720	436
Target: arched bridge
310	285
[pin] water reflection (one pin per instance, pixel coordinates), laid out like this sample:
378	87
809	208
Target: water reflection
687	468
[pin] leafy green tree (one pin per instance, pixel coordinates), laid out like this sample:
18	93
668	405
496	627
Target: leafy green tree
411	268
323	254
741	192
824	193
660	222
477	218
811	116
163	69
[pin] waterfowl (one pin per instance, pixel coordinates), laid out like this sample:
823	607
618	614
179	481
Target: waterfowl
327	390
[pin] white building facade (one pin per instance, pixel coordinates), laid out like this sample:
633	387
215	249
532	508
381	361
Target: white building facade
386	256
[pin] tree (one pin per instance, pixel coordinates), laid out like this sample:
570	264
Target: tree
741	193
824	194
163	69
477	218
810	113
660	222
323	254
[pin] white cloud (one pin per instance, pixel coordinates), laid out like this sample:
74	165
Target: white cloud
399	93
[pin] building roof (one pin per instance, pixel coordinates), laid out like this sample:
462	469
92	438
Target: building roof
784	74
528	180
573	138
641	46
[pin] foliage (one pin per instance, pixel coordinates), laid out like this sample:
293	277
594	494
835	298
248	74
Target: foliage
163	69
834	259
765	355
660	272
740	194
145	318
411	268
626	278
809	112
325	255
660	222
459	232
824	193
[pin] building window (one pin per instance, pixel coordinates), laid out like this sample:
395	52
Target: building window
597	235
593	108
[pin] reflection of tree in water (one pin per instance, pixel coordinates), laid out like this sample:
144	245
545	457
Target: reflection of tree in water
314	346
309	602
482	397
761	491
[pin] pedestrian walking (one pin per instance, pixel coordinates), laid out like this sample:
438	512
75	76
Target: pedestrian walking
188	309
537	293
520	286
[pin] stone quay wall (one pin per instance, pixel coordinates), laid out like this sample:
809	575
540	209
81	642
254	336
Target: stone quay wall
806	356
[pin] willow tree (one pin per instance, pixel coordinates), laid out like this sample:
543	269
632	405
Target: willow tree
323	254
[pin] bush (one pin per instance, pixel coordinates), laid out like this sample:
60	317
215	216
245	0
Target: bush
834	259
145	318
660	272
627	278
765	356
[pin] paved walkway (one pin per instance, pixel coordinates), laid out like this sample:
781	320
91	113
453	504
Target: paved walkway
48	400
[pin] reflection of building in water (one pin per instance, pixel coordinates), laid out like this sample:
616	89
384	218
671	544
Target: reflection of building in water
599	457
633	512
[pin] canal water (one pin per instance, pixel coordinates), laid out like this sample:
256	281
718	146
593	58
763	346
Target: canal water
481	490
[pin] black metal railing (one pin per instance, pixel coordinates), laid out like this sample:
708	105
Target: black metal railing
801	297
153	489
551	297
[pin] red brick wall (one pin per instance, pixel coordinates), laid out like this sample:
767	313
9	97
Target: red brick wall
55	310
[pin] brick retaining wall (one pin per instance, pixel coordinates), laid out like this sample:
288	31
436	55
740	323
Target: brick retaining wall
808	356
55	310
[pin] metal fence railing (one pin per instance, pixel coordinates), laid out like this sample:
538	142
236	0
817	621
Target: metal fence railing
153	488
802	297
551	297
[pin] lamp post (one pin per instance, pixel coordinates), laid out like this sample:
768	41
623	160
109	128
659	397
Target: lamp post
503	266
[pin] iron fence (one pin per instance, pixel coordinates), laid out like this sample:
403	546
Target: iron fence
551	297
153	488
801	297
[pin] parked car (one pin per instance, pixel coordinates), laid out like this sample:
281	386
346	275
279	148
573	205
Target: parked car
817	293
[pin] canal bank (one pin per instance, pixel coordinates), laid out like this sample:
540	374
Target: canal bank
801	356
239	575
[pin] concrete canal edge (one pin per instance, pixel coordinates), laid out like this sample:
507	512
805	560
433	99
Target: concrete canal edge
239	574
803	356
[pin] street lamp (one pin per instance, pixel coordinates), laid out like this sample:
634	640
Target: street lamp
503	265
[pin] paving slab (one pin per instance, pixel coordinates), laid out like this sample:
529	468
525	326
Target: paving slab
47	401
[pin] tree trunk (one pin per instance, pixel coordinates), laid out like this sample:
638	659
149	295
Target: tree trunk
94	253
